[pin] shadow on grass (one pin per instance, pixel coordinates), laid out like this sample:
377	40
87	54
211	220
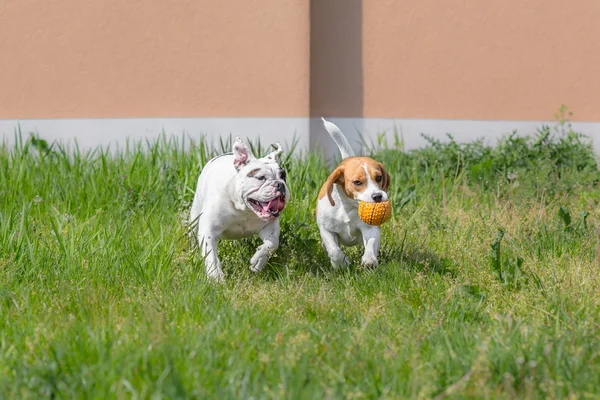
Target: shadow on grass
300	253
416	258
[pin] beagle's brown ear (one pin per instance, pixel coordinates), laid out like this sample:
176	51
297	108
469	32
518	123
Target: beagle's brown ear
385	182
337	176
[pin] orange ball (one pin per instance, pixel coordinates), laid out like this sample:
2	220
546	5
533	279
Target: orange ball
375	213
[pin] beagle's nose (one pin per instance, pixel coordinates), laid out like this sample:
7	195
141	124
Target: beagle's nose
377	197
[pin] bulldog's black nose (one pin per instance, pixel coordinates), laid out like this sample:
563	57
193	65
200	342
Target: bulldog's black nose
377	197
280	186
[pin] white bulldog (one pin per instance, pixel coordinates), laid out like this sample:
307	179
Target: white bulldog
238	196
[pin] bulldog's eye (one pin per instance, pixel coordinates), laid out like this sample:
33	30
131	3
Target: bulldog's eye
282	175
378	178
261	178
357	183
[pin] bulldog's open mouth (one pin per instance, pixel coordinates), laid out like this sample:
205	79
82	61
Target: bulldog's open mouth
268	209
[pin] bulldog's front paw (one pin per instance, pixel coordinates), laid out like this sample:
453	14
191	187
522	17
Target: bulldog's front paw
369	261
259	260
215	273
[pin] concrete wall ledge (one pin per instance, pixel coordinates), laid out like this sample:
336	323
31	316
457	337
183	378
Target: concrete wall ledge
308	132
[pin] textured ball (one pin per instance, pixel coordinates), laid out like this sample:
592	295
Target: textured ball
374	213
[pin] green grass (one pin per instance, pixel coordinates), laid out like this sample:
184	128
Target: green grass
101	295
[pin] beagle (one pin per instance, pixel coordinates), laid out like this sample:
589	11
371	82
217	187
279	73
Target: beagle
355	179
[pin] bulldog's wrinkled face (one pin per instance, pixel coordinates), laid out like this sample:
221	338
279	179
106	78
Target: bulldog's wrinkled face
262	182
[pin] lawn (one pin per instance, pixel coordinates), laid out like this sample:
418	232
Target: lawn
488	284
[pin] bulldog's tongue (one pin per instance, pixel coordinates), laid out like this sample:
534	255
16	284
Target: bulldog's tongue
274	205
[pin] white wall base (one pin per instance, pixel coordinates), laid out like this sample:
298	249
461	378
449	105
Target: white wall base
462	130
91	133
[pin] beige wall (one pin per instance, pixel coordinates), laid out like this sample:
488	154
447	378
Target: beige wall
132	58
451	59
481	59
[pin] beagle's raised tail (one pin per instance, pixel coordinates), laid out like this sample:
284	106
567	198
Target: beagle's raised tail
339	139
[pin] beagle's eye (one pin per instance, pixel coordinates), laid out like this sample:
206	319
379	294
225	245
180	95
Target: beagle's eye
357	183
378	178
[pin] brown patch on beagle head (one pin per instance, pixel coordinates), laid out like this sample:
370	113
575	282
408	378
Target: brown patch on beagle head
337	176
379	175
351	174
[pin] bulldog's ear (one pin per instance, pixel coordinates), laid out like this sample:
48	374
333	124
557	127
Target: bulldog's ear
241	153
275	154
